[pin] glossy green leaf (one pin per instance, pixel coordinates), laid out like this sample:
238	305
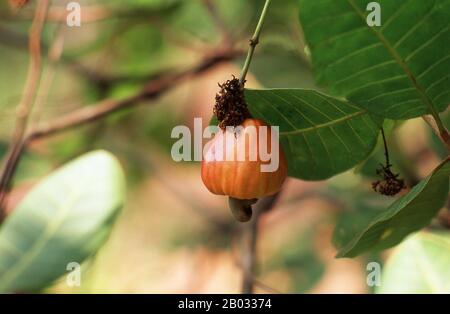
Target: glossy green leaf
65	218
321	136
418	265
407	214
399	70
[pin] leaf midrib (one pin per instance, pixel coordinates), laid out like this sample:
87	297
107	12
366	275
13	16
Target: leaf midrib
324	125
426	100
378	219
36	247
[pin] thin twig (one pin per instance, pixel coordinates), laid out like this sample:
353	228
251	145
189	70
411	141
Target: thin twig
253	42
386	151
27	99
250	239
150	91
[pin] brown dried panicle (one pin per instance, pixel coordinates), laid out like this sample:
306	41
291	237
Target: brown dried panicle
390	184
231	108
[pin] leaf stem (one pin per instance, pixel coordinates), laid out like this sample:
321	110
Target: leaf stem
440	125
253	42
435	123
386	151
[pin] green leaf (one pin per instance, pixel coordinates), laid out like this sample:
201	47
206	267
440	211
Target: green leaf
65	218
361	207
291	70
407	214
321	136
399	70
418	265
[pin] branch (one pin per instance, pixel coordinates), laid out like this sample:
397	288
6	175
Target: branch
106	107
150	91
28	95
250	236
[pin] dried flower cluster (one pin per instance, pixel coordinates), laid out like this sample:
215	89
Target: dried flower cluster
230	108
390	184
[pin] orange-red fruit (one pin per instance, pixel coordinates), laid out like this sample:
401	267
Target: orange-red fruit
242	179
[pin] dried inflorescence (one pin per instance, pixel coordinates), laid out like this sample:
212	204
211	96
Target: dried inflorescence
390	184
230	108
